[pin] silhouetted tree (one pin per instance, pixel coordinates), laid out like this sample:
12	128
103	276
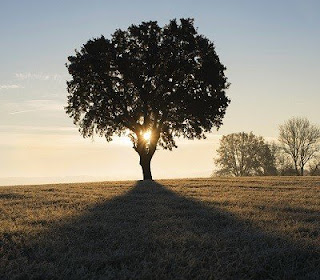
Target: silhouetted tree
244	154
166	81
300	141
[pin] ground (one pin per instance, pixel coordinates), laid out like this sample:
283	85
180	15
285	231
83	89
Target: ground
219	228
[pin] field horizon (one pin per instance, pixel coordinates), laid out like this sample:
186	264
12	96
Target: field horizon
199	228
101	180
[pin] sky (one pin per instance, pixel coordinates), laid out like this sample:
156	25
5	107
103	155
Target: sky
270	49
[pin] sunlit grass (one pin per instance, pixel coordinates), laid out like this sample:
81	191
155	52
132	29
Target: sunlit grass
222	228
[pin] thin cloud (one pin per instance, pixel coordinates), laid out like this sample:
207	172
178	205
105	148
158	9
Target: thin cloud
40	76
28	128
10	86
24	111
34	105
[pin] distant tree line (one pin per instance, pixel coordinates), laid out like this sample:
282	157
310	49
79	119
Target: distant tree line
296	153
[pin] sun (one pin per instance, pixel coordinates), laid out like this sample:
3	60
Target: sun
147	135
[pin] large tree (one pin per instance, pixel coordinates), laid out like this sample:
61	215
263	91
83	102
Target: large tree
300	141
154	82
245	154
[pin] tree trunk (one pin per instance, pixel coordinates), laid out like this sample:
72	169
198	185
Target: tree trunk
297	170
145	161
301	171
146	151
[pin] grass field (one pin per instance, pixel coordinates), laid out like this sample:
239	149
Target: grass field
247	228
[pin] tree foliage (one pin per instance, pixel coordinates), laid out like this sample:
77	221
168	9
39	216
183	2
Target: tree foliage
283	163
300	141
244	154
314	167
166	80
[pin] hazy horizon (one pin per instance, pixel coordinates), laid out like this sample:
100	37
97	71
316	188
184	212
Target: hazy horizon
270	50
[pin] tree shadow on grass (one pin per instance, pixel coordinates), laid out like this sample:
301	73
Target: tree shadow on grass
154	233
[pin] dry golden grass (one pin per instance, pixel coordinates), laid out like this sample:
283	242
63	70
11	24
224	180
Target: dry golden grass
221	228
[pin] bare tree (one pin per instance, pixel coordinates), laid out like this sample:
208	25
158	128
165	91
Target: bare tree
301	141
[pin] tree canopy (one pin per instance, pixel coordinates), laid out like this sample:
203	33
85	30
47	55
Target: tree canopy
167	80
245	154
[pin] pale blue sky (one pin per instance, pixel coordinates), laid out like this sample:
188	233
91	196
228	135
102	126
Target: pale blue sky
271	50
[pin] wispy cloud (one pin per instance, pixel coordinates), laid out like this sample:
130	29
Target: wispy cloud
25	111
40	76
24	128
10	86
34	105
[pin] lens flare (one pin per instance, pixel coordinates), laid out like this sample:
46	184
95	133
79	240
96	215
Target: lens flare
147	135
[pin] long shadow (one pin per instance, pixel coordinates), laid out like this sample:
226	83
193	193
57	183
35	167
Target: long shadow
154	233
